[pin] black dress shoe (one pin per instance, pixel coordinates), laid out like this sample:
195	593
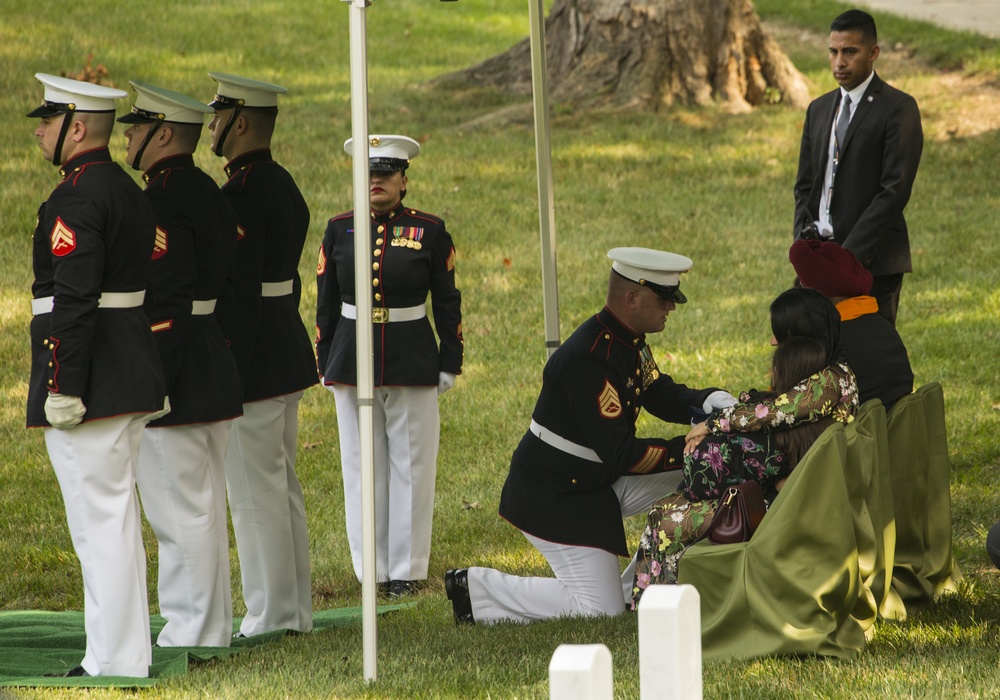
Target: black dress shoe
456	586
401	589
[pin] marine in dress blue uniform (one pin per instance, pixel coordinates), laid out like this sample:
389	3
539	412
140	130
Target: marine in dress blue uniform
580	468
181	475
95	374
413	256
274	356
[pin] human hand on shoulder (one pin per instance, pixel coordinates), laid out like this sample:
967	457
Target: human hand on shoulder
719	400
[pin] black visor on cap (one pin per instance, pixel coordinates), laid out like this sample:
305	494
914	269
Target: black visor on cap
140	116
673	293
49	109
387	165
223	102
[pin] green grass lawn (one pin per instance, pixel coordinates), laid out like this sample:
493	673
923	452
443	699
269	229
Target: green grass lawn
713	186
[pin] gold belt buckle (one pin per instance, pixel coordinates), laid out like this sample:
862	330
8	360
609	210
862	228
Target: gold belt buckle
380	314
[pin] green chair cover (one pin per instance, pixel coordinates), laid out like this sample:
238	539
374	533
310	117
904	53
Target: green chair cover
859	468
939	566
924	567
790	589
869	482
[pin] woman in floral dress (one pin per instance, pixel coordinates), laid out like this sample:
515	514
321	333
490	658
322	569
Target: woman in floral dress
753	440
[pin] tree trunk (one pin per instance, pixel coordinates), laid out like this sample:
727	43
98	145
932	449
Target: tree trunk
651	53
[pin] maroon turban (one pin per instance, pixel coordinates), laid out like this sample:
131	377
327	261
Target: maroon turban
830	269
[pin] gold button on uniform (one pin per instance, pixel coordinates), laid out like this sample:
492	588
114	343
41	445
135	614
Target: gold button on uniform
374	266
380	229
573	481
375	283
378	297
377	252
379	241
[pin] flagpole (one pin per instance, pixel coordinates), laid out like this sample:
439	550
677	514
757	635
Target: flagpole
363	302
543	162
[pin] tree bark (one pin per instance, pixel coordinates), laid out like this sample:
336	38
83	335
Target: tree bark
650	54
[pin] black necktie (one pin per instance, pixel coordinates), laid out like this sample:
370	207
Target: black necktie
843	120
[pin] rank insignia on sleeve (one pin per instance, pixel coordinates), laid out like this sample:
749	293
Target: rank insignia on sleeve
321	264
241	232
63	239
608	402
649	460
450	263
160	244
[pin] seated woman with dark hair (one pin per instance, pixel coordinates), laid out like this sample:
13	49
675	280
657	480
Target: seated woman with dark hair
719	451
760	439
768	457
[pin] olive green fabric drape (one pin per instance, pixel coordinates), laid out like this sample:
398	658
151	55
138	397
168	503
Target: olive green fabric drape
924	567
869	483
792	588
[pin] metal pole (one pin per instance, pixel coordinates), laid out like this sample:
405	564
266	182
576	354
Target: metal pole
543	160
363	301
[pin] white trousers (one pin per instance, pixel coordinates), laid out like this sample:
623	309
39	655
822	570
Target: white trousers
588	581
407	428
269	516
182	484
95	464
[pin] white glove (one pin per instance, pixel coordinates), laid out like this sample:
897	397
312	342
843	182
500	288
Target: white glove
162	412
63	412
719	400
446	380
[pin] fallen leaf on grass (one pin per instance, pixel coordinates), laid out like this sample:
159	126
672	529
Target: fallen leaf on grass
469	505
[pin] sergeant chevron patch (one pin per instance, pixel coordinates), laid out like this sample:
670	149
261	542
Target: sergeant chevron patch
608	401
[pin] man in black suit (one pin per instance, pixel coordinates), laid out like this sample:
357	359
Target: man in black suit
860	150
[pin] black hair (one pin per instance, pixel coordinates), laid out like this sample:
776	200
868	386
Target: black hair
856	20
795	359
807	313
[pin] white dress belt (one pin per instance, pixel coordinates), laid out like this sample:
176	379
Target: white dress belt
380	314
562	444
108	300
202	307
276	289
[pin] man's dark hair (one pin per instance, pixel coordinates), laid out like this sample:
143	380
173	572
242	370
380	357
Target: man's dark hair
856	20
187	135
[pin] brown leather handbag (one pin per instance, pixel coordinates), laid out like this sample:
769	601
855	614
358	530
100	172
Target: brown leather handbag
738	514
